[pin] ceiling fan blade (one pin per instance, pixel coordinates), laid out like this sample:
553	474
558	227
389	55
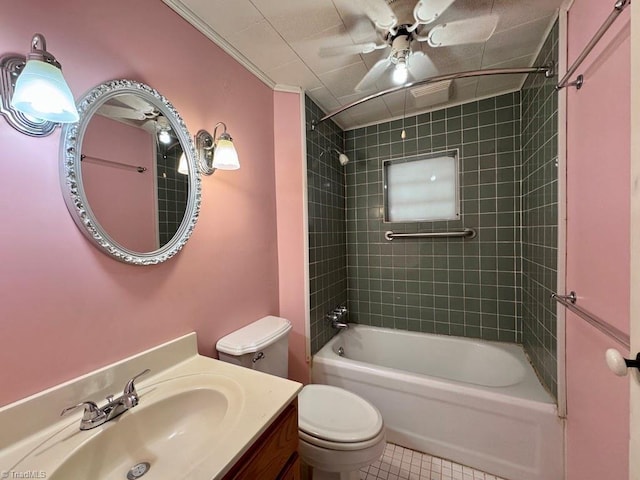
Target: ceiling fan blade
427	11
420	66
151	126
112	111
475	30
379	12
350	49
136	103
372	76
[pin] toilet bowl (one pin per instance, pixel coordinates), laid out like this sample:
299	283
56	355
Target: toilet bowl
339	431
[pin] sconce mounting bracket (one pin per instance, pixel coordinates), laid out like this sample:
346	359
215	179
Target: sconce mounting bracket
204	148
10	67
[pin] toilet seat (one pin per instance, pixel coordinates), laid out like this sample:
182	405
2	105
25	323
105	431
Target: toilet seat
342	446
334	418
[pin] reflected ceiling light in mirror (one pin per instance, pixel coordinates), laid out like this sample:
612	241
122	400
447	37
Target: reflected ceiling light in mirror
163	130
164	137
35	95
216	154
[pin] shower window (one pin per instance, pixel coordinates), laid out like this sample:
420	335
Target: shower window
421	189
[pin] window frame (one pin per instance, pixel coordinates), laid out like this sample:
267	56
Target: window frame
453	152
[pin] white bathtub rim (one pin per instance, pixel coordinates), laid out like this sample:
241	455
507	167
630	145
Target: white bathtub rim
535	392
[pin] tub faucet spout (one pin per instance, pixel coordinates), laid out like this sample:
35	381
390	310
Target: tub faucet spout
338	317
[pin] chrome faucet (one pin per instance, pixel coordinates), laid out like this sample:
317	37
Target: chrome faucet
337	317
95	416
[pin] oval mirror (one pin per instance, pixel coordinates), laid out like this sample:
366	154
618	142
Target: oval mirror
129	174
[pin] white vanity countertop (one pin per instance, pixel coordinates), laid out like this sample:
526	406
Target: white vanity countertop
38	440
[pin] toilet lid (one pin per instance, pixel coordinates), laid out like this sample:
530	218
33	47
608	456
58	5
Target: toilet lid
337	415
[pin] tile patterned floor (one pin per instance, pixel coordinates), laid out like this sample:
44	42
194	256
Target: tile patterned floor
399	463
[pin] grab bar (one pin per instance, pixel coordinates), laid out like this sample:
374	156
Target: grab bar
569	302
466	233
617	10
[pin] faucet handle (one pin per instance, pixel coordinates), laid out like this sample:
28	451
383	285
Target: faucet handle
342	310
91	411
92	417
130	395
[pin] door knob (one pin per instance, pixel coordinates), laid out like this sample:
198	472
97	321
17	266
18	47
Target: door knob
618	364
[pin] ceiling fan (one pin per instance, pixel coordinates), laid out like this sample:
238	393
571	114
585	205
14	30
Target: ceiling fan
399	26
128	107
132	110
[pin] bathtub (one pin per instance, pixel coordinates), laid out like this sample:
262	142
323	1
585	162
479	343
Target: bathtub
474	402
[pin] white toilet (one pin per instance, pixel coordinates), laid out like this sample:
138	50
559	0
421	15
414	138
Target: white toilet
340	432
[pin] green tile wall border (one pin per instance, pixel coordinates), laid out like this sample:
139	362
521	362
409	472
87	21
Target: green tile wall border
326	212
540	216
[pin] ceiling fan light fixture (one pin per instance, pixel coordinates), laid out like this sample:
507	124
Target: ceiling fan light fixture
400	72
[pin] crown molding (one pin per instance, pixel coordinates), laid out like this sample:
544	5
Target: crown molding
186	13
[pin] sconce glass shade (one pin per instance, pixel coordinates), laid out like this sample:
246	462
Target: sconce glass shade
225	156
183	168
216	154
42	92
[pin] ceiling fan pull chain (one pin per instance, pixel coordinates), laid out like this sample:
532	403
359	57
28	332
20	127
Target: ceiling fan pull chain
403	135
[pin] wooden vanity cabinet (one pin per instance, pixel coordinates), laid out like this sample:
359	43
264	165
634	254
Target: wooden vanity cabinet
274	456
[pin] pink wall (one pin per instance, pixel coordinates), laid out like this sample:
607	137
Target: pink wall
65	307
598	172
123	200
290	173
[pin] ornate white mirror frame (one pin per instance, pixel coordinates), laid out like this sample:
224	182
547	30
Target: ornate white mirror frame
73	188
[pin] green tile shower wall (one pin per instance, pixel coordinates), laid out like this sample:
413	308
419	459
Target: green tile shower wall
173	190
452	286
326	211
540	217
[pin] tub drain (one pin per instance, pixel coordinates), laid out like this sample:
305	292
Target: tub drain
138	470
341	351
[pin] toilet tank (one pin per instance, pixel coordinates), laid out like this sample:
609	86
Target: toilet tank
262	345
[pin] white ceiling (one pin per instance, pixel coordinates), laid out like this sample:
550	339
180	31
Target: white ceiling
280	41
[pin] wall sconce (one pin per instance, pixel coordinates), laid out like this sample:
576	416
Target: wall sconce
216	154
35	96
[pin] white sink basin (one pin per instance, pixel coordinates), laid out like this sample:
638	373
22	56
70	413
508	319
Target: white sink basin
177	423
196	418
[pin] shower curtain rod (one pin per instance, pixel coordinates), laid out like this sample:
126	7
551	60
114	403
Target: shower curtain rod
547	70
